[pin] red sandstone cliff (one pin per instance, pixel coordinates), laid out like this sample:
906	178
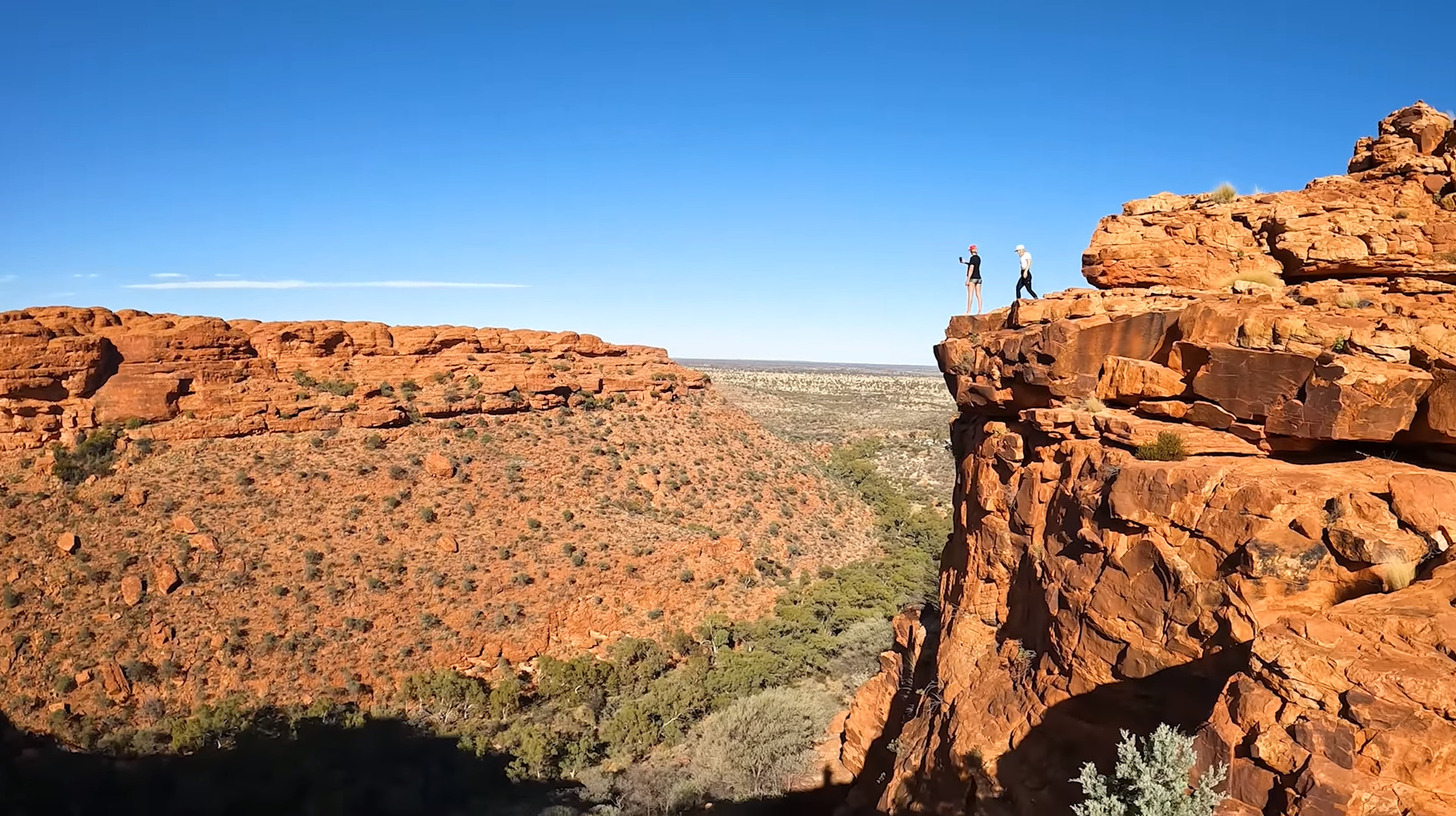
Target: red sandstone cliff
64	370
1284	591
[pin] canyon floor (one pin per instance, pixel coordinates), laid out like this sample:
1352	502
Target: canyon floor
905	408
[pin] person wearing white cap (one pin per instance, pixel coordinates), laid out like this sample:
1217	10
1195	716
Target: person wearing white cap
1025	281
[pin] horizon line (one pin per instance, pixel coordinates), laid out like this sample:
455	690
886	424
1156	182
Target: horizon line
302	284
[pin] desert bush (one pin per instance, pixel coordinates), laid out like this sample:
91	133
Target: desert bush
373	441
656	789
1091	405
858	647
755	746
1396	575
1223	193
211	725
1168	448
93	455
1151	779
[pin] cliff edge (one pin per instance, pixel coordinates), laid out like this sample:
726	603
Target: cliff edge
64	370
1217	493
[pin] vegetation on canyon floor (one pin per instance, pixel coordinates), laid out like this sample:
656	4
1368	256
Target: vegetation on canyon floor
728	709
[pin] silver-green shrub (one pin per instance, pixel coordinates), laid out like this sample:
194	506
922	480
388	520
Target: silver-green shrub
1151	779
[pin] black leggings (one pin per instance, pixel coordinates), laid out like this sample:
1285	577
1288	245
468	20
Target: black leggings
1026	282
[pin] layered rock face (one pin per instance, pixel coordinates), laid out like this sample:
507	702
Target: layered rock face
1227	510
64	370
1394	214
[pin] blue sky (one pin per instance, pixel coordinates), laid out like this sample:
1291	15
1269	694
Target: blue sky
727	179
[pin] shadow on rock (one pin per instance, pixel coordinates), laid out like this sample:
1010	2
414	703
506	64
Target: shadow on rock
1036	775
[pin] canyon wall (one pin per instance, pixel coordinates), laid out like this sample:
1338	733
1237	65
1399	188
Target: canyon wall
64	370
1215	493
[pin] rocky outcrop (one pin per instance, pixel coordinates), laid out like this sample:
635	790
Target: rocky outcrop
1393	214
65	370
1230	510
1273	371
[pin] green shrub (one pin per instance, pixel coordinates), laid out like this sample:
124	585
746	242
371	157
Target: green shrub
93	455
1151	779
1223	193
1168	448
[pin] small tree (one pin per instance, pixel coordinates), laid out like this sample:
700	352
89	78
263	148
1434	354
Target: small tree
1151	779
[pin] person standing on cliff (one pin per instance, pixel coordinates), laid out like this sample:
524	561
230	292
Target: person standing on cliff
973	279
1025	280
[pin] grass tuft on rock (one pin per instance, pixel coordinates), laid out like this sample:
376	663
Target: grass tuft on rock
1223	193
1168	448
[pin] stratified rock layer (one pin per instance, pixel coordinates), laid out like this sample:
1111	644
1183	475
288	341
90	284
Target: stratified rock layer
64	370
1394	214
1225	508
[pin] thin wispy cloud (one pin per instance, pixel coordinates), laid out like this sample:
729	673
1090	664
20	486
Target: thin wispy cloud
225	275
301	284
167	275
86	275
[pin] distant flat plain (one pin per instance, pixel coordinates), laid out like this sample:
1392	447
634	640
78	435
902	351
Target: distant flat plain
907	407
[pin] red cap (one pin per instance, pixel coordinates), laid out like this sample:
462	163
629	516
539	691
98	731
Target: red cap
973	247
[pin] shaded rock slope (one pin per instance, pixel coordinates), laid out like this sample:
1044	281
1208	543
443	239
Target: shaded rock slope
1217	492
296	512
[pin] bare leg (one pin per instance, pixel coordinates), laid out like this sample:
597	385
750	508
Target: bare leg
976	289
969	290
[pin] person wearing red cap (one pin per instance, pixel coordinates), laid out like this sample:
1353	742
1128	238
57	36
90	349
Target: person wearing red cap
973	279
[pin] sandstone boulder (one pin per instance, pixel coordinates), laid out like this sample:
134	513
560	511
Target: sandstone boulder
439	465
68	543
1353	398
113	679
1129	380
165	579
132	590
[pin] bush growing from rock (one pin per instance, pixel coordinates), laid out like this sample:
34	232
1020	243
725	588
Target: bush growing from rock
1223	194
1167	448
1151	779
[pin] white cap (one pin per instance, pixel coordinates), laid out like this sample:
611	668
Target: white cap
1020	248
